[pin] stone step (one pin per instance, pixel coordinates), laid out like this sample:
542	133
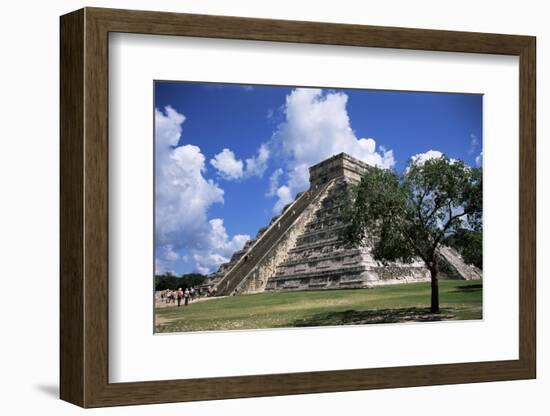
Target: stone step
332	255
330	230
322	273
338	245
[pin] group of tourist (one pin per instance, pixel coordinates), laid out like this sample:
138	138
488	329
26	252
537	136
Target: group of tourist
176	296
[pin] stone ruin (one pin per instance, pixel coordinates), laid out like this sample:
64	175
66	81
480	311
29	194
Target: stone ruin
303	248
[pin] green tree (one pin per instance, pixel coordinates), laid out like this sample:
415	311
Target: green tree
469	243
193	279
407	216
166	281
169	281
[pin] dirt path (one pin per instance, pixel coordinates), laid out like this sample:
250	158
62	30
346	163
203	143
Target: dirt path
162	304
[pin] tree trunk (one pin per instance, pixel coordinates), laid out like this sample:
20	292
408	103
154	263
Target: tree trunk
434	308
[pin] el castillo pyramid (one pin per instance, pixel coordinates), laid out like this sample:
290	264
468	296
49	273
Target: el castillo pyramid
303	248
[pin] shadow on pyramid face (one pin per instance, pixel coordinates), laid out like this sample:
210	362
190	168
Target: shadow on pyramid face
374	316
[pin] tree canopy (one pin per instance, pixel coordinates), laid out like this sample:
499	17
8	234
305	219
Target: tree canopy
169	281
407	216
469	243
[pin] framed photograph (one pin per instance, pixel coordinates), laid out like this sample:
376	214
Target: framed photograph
255	207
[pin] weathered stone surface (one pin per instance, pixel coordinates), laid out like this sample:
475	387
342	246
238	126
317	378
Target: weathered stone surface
304	247
269	264
454	267
272	242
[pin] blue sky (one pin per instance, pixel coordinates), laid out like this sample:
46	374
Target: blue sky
228	157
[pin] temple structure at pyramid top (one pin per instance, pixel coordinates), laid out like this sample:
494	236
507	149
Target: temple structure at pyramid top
304	248
340	165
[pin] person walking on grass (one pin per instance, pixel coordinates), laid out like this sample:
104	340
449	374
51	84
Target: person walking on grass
192	293
179	295
186	295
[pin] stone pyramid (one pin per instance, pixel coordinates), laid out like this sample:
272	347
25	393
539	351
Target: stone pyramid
304	249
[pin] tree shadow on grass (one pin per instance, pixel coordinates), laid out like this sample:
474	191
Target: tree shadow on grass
375	316
476	287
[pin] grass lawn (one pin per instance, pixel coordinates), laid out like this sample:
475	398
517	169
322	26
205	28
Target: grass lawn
390	304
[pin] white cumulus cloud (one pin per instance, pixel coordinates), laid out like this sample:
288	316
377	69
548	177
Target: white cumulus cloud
256	166
182	198
231	168
316	127
217	247
227	165
284	196
274	180
421	158
479	159
168	253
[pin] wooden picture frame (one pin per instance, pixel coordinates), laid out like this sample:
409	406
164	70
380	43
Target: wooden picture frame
84	207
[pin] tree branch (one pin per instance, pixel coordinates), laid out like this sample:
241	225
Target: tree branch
446	227
415	248
432	213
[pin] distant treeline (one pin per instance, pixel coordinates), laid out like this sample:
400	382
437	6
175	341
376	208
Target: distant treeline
169	281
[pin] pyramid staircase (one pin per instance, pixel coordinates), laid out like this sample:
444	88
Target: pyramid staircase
267	250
